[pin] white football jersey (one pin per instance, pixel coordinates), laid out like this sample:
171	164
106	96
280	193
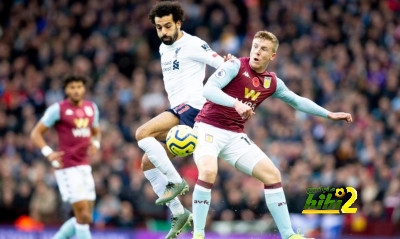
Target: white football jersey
183	65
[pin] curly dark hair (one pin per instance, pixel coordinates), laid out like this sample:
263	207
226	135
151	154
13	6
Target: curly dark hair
164	8
70	79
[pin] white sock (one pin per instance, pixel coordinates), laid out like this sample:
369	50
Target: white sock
82	231
276	203
67	230
158	181
157	155
201	205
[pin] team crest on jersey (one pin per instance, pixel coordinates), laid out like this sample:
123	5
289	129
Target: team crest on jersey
177	51
220	74
206	47
246	74
88	111
267	81
209	138
69	112
256	82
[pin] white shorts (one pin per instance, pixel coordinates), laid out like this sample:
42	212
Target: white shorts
76	184
235	148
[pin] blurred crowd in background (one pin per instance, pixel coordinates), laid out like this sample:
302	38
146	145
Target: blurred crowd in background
342	54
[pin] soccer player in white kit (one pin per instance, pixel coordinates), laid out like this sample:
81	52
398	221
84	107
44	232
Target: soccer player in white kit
183	59
234	91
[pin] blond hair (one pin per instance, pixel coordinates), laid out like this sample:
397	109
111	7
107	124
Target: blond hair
266	35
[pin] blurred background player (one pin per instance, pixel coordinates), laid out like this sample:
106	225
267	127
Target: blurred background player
234	91
77	124
183	60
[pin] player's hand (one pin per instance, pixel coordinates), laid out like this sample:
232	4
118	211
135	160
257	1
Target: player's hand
55	159
243	110
340	116
229	57
92	150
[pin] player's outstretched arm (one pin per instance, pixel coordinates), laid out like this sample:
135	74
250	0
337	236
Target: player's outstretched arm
340	116
305	105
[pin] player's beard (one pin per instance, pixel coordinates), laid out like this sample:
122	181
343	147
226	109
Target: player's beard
167	40
75	99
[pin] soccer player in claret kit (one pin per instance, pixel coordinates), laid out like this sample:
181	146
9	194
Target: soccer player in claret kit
77	124
183	60
234	91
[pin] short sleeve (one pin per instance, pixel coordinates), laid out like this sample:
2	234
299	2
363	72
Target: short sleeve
96	116
51	116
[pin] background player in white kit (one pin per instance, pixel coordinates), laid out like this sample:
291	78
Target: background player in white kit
234	91
183	60
77	124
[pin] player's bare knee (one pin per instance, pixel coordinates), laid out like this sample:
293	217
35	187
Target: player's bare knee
142	132
84	218
267	175
146	163
208	175
273	175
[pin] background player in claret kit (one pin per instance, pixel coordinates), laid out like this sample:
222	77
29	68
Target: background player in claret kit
183	59
77	124
234	91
